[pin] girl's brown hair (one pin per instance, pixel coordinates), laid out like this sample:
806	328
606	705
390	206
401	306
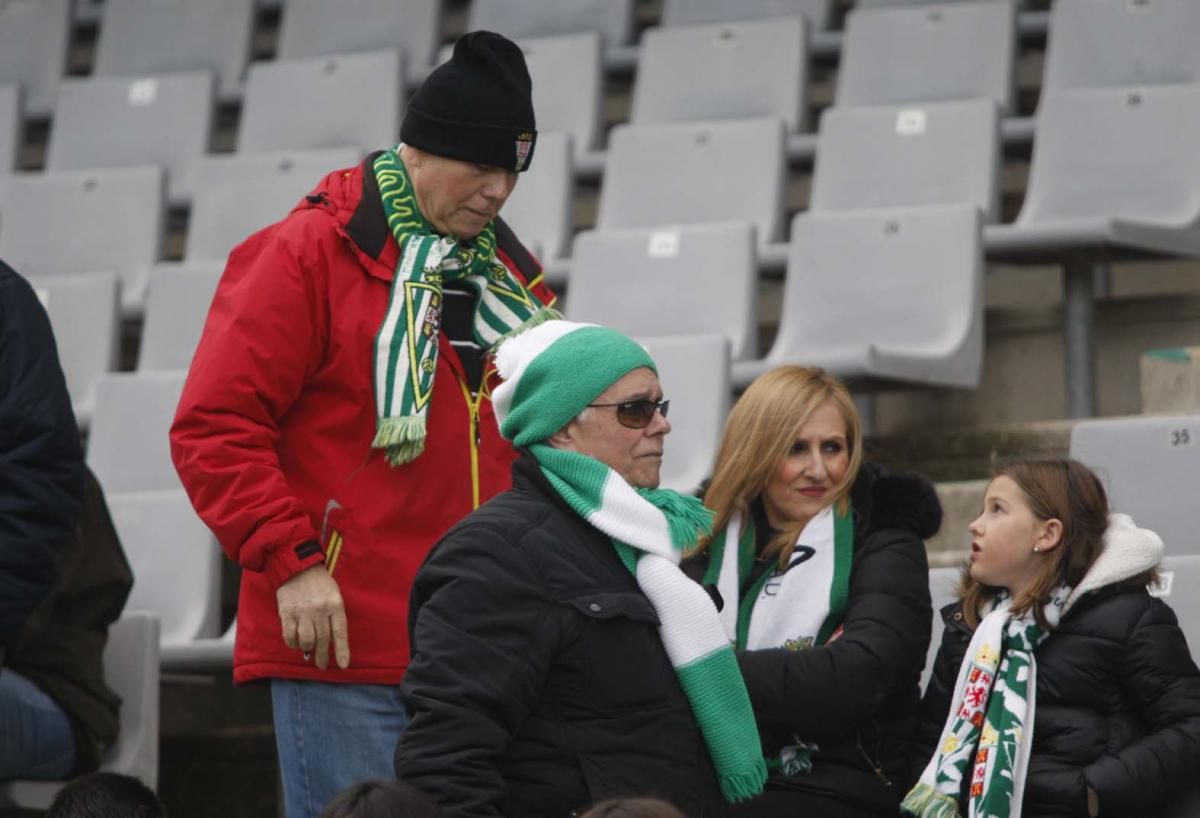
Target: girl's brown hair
760	432
1054	489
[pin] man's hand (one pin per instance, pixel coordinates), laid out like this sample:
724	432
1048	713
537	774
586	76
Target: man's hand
311	611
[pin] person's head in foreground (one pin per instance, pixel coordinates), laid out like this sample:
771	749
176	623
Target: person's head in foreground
106	795
633	808
382	799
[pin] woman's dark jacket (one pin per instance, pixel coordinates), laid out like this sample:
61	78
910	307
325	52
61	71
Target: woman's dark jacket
539	683
1118	706
857	696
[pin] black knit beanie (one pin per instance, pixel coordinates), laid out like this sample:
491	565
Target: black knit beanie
478	107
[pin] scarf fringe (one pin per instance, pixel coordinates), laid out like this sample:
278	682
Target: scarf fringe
926	802
687	518
542	315
404	438
744	786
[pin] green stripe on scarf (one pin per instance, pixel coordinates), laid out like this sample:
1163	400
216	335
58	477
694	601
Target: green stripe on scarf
406	346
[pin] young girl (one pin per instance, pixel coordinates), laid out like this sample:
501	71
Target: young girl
1061	688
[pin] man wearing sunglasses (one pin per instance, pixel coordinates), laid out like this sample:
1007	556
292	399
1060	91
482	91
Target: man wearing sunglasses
540	682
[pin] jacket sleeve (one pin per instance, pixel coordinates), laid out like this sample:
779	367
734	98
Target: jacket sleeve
1162	684
483	639
846	682
41	462
262	341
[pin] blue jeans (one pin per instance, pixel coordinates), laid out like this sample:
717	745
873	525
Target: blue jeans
331	736
36	739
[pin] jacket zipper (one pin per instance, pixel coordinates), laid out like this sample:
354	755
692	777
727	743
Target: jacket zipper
473	405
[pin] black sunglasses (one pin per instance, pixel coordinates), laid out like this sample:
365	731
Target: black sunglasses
637	414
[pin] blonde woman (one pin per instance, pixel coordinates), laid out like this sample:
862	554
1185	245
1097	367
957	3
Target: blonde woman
818	564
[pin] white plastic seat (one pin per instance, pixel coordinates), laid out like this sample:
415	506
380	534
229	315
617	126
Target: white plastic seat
34	35
10	126
520	19
1149	465
908	156
335	101
885	4
695	173
694	372
107	122
84	221
241	193
568	81
942	585
140	37
698	12
128	448
686	280
176	307
201	654
539	209
314	28
736	70
929	54
892	295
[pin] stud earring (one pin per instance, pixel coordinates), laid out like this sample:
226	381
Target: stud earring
1036	549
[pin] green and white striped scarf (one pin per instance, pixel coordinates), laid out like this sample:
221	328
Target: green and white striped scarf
989	728
649	529
406	347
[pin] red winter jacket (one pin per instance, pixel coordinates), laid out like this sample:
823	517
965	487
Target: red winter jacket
272	438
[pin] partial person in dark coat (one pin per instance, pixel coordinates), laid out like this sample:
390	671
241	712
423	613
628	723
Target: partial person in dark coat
820	567
1115	705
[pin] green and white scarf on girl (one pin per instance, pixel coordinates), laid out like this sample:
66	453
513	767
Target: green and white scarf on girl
406	347
988	733
796	609
649	529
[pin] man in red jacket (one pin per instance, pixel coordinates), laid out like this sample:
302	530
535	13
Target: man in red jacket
337	417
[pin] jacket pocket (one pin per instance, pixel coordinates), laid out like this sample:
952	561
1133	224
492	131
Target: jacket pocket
633	607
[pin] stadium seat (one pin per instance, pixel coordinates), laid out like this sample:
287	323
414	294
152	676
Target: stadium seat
520	19
942	583
10	126
539	209
265	187
694	372
1095	43
175	559
176	306
34	35
1149	466
317	28
892	295
900	56
84	311
140	37
84	221
883	4
201	655
1178	576
816	13
131	670
1112	166
694	279
568	82
693	173
735	70
128	449
904	156
335	101
106	122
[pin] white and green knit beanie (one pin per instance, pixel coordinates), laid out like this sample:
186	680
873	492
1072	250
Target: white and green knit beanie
553	371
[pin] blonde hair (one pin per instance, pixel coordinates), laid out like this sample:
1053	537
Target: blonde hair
760	433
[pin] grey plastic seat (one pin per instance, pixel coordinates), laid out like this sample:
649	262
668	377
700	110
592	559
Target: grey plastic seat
84	221
694	372
568	84
323	102
314	28
906	156
733	70
139	37
695	173
84	311
1178	576
1150	466
685	280
10	126
176	308
942	582
929	54
1112	166
885	4
539	209
131	671
520	19
1096	43
243	193
106	122
34	35
128	449
175	559
201	654
891	295
697	12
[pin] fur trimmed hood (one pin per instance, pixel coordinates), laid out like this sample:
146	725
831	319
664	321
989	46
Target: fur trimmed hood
1129	552
884	500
